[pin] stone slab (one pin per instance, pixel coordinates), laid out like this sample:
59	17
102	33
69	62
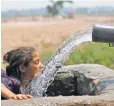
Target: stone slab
63	101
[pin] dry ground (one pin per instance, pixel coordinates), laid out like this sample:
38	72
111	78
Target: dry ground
44	33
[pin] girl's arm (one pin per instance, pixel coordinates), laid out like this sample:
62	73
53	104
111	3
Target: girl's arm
6	93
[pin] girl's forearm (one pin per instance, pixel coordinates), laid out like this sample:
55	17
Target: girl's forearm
6	93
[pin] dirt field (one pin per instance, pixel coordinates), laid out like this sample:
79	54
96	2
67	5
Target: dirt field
44	33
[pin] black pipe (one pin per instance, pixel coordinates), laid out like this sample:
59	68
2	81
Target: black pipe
101	33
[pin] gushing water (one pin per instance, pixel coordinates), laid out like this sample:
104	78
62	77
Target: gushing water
39	85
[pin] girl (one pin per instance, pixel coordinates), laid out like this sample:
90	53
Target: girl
23	65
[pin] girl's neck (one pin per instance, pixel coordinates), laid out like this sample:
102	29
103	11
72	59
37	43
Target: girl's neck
25	80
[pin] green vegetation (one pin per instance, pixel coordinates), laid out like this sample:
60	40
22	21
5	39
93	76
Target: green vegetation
45	55
98	53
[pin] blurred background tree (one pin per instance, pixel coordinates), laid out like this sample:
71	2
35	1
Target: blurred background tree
56	6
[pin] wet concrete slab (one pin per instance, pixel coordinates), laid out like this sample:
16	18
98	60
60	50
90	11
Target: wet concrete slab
63	101
89	70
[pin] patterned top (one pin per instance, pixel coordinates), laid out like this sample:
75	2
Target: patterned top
10	82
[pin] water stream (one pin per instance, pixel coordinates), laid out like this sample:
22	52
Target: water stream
39	85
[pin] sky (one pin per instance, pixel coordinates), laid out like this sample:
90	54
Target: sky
27	4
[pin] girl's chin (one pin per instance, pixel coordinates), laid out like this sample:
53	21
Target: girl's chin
35	74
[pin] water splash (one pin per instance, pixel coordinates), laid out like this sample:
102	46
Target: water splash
39	85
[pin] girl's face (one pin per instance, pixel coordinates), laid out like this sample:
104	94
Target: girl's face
34	65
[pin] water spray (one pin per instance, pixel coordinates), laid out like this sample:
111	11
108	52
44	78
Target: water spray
96	33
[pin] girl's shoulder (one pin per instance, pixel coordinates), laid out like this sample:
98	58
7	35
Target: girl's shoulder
11	83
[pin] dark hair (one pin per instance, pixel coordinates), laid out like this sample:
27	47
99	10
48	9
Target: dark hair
16	57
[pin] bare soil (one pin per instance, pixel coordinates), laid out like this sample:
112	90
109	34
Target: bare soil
46	33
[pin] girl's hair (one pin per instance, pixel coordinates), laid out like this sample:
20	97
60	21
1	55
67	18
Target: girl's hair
15	58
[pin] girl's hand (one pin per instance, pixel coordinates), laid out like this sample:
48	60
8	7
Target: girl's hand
20	97
6	93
